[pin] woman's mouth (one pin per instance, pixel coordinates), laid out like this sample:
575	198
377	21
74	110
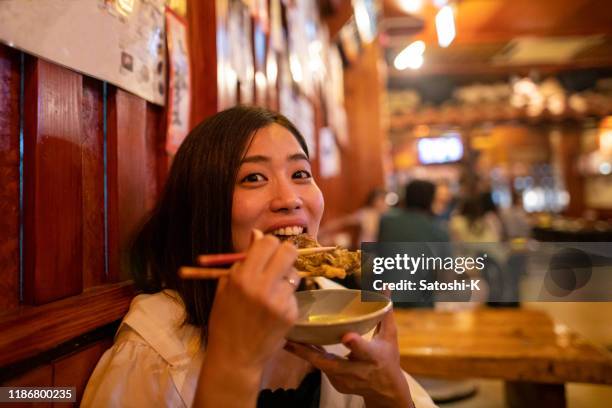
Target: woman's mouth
288	231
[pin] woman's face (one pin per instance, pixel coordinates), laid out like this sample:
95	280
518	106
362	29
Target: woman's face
274	190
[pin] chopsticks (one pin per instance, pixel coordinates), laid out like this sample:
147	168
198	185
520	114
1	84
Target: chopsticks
194	272
227	259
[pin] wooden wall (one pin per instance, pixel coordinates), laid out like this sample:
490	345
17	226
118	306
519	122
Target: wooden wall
362	157
81	162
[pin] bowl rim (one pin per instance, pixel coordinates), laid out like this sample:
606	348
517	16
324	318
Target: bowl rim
358	319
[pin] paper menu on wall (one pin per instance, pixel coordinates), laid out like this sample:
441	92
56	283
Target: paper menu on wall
121	42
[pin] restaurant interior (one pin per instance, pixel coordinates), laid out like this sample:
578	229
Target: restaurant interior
509	102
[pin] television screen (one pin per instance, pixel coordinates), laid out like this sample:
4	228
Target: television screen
436	150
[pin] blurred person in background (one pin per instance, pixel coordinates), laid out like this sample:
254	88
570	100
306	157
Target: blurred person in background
515	219
445	202
416	221
473	223
477	223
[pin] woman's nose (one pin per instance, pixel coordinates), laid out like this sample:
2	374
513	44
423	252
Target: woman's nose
285	198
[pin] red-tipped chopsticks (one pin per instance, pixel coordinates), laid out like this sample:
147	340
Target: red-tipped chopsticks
227	259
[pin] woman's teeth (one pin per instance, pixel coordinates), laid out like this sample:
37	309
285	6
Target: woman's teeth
288	231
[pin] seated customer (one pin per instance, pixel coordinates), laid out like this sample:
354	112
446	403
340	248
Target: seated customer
222	343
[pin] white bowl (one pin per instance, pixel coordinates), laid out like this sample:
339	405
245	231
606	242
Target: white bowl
328	314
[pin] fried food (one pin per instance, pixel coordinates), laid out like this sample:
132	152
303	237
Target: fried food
333	264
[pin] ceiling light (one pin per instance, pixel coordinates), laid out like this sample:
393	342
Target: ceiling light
410	6
445	26
411	56
125	7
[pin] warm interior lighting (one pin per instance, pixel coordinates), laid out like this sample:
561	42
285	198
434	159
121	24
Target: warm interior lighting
411	56
271	69
362	19
410	6
296	68
315	64
605	136
260	80
125	7
605	141
445	26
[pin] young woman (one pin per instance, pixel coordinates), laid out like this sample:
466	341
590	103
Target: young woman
240	178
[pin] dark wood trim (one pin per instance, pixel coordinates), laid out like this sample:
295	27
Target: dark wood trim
9	176
28	330
104	335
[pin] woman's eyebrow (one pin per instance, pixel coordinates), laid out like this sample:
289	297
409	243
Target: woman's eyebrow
255	159
260	158
297	156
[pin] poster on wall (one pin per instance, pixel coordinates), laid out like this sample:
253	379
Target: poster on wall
227	80
118	41
179	81
240	43
329	155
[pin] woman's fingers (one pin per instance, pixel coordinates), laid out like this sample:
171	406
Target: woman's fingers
329	363
258	255
280	265
361	349
318	357
255	235
387	329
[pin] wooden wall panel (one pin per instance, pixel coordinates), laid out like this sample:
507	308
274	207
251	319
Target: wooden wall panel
92	142
157	163
39	377
362	165
74	370
9	178
52	182
363	90
128	163
202	22
32	330
335	189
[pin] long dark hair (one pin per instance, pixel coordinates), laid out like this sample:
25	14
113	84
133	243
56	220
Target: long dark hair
194	213
472	209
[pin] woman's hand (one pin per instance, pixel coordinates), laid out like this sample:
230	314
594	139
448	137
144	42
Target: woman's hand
254	308
371	370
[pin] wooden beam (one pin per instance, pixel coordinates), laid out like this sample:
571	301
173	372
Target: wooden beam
28	331
202	31
490	69
343	13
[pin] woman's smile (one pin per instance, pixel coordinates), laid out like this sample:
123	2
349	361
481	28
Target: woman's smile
275	191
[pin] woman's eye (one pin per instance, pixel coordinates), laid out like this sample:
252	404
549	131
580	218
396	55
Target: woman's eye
253	178
302	174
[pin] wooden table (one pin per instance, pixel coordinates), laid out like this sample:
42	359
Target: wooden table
535	356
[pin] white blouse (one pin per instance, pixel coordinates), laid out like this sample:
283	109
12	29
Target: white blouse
155	361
